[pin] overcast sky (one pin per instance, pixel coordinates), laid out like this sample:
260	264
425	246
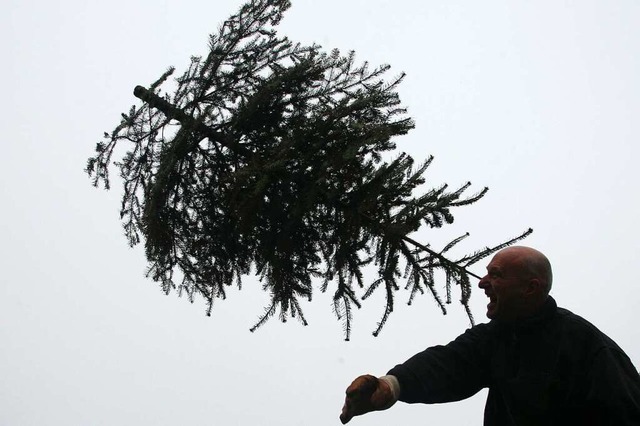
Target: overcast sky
537	100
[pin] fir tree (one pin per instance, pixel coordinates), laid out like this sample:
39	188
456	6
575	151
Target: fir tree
268	154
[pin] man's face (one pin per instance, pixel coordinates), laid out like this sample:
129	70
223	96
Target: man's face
504	285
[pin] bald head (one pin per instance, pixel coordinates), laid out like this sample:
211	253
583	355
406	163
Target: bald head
517	283
534	264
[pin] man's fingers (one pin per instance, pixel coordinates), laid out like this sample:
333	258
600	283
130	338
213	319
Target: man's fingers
347	410
345	416
358	397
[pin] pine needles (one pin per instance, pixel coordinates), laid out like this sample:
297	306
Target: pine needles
268	155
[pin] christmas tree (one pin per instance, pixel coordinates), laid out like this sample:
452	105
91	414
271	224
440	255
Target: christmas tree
272	157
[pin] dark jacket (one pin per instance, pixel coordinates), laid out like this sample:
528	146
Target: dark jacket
553	369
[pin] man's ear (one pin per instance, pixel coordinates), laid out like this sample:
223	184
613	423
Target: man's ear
534	286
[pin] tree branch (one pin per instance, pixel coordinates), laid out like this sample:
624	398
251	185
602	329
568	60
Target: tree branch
175	113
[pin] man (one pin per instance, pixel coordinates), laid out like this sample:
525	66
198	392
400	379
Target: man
543	365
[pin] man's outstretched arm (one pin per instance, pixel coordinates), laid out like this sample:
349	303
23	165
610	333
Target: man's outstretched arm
368	393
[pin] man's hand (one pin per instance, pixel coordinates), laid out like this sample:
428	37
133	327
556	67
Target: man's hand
366	393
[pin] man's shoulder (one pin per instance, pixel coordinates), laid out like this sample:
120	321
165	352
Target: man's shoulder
579	330
575	322
580	338
480	332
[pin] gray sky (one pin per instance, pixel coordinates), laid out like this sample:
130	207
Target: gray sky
537	100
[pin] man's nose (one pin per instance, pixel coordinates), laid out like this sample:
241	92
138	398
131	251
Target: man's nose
483	282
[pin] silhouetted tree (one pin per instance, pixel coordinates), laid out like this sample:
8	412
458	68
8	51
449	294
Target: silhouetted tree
267	154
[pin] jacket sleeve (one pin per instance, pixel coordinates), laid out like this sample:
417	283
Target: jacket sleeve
447	373
613	390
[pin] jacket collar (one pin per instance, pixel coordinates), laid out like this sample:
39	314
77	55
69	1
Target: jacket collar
544	314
